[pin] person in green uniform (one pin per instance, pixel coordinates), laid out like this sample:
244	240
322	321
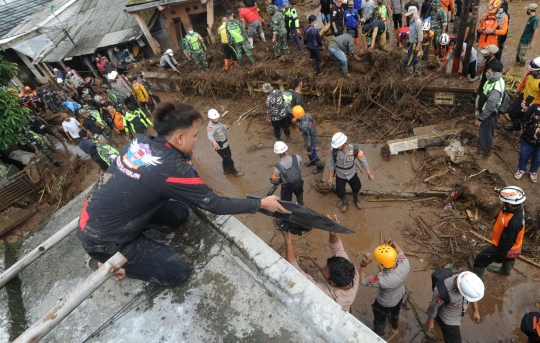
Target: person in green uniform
236	35
279	32
31	138
439	22
197	48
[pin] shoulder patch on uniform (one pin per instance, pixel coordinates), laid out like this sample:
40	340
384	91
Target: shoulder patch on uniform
210	128
439	299
402	257
360	154
373	279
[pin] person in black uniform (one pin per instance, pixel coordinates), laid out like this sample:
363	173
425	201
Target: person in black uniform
149	186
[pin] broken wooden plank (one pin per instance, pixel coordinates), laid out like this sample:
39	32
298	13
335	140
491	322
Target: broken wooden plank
436	175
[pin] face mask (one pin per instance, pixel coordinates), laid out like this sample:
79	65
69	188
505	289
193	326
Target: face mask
191	32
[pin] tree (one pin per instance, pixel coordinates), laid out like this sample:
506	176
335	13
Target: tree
13	116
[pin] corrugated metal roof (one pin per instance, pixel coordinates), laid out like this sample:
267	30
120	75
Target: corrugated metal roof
12	14
103	25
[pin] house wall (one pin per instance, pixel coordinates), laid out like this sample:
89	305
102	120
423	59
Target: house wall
176	18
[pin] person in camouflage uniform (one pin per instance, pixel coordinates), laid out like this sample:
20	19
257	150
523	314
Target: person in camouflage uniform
96	117
280	32
31	138
197	48
185	49
115	96
236	35
107	153
439	22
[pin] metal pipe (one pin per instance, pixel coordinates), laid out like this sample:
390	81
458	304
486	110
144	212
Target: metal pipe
70	302
33	255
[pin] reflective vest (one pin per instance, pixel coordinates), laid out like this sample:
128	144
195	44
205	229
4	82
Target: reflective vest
193	41
383	10
222	30
291	18
498	86
97	118
500	225
234	30
287	100
488	21
107	153
137	120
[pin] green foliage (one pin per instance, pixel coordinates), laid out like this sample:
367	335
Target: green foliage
13	116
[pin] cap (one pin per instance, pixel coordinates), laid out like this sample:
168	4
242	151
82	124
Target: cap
411	10
271	8
224	19
55	70
229	12
490	49
267	88
377	9
532	7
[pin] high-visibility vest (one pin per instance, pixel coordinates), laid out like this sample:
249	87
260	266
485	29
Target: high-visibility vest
291	18
193	41
500	225
498	86
234	30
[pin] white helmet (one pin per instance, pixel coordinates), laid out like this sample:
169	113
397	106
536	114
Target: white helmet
470	286
59	80
444	40
280	148
112	75
338	139
426	26
512	195
169	52
213	114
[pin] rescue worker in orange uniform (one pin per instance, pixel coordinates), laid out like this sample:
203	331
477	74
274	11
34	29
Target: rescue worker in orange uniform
529	87
490	28
448	5
507	236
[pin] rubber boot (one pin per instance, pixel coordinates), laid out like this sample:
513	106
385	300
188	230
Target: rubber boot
310	162
478	271
356	41
357	200
344	203
58	163
262	37
505	269
345	71
512	127
226	170
250	40
300	199
379	329
417	69
226	64
394	320
409	75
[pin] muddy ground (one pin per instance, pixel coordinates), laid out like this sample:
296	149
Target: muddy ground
251	139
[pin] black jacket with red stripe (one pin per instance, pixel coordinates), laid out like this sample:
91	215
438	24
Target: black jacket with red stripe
147	174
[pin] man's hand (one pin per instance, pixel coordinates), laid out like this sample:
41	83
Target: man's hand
420	53
430	324
215	145
477	123
274	39
476	317
330	181
356	57
286	236
524	105
366	259
268	118
389	242
370	177
439	69
270	203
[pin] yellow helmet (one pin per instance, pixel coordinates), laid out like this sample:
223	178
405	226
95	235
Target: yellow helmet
298	111
493	6
385	255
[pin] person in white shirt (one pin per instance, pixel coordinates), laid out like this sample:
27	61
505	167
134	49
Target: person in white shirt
71	128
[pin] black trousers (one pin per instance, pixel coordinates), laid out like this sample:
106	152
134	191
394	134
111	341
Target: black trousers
451	333
228	163
130	99
515	110
149	260
354	182
380	312
315	55
287	190
487	256
397	20
96	158
472	69
281	124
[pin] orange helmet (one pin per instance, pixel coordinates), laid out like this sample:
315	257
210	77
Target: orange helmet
493	6
26	88
298	111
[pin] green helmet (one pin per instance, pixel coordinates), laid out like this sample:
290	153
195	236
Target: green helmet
105	86
271	8
436	3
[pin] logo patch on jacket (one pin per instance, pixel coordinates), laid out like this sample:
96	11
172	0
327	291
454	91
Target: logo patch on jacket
210	128
439	299
373	279
140	155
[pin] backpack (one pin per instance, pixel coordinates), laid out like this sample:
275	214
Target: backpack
287	100
505	104
437	280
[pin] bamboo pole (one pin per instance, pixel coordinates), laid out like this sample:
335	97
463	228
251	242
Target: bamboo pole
24	262
70	302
